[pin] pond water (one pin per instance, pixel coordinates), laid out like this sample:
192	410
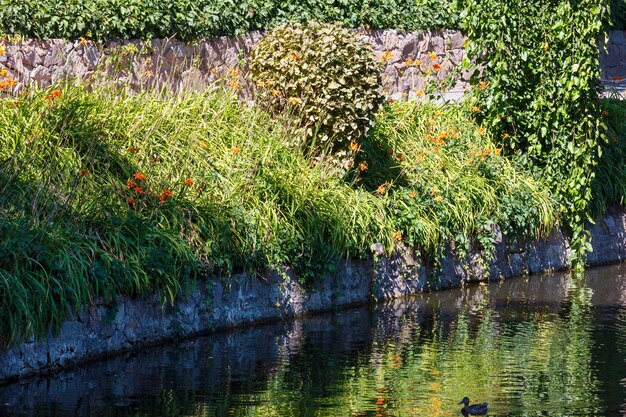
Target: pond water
538	346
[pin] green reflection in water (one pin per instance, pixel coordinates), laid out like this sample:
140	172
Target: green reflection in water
548	346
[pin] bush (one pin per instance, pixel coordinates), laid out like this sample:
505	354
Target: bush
103	20
324	76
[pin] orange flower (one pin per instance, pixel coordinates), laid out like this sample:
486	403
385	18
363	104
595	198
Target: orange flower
498	151
138	190
474	109
133	149
2	50
167	193
235	149
390	100
506	136
55	93
130	184
84	172
412	194
380	401
162	198
618	78
604	112
139	176
397	236
482	85
613	139
382	188
420	92
295	57
481	131
355	147
400	157
380	390
389	151
437	67
439	199
188	181
386	56
363	166
3	72
131	200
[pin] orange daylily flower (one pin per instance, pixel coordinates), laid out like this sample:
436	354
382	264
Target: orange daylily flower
84	172
139	176
138	190
235	149
133	149
397	236
363	166
189	182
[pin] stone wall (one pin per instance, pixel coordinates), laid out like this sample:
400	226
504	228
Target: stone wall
104	328
407	58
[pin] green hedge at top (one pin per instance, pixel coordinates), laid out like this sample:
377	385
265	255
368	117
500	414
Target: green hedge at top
103	20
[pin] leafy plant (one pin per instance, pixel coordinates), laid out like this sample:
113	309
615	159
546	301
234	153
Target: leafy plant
324	76
103	20
538	93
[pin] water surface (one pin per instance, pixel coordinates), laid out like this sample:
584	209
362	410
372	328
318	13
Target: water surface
538	346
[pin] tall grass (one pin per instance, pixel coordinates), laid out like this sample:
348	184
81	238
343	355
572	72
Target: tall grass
223	193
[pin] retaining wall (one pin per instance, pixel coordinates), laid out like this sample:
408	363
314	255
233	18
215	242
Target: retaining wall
106	328
197	65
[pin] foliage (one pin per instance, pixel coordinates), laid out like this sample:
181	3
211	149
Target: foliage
446	181
609	184
539	89
327	79
618	14
104	193
104	20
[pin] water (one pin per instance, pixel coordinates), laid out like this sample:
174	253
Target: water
542	346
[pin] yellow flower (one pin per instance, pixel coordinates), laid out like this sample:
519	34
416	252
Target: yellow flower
275	92
481	131
420	92
433	56
474	109
294	100
434	190
82	41
234	84
439	199
506	136
363	166
2	50
3	72
412	194
386	56
482	85
418	63
397	236
409	62
149	74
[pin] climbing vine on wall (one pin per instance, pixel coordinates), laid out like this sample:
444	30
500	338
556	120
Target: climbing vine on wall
538	93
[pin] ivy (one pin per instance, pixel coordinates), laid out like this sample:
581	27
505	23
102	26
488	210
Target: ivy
538	93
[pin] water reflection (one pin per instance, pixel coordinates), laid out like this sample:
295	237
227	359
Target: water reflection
543	346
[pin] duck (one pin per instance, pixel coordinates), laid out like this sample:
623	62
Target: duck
474	409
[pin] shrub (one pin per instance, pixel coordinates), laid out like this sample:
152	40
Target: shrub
324	76
103	20
618	14
539	93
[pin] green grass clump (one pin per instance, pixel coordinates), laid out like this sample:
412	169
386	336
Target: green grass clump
105	193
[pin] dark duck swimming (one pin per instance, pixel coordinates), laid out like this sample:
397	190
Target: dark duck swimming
474	409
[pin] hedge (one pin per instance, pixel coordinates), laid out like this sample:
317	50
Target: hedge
104	20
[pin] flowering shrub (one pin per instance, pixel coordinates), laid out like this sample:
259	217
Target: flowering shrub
324	76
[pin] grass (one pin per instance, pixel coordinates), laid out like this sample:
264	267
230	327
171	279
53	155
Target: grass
223	193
